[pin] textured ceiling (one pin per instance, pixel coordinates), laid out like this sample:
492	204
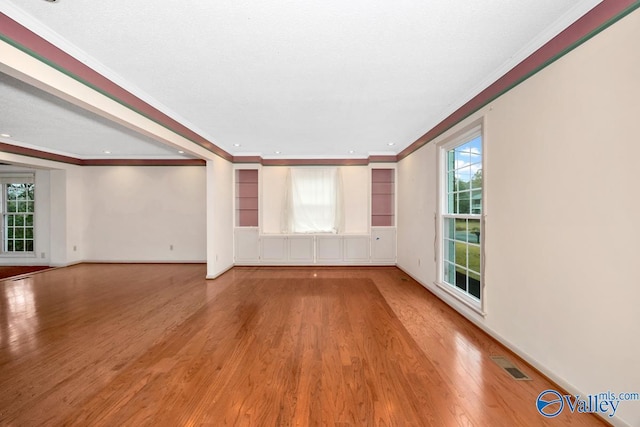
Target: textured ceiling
37	119
315	79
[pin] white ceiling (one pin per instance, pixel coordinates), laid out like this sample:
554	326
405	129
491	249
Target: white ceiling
310	79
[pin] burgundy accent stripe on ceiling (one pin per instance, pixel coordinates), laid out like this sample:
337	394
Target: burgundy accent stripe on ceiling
581	30
383	159
247	159
33	43
144	162
30	152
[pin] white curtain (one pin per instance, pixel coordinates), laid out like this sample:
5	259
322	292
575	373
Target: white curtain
313	201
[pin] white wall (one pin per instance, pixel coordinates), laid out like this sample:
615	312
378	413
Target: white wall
219	211
140	213
58	218
561	238
77	190
356	189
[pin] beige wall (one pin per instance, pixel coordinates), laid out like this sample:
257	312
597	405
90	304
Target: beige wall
272	186
561	208
137	213
416	210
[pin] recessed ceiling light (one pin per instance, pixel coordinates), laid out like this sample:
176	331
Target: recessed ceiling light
391	144
236	145
351	151
180	152
5	135
277	152
107	152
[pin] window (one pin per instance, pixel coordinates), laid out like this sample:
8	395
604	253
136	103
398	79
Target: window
460	214
313	202
18	207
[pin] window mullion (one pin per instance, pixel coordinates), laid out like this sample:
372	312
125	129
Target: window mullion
461	215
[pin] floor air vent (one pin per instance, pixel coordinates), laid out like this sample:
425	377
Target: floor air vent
505	364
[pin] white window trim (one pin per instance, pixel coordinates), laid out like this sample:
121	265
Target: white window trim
459	138
16	178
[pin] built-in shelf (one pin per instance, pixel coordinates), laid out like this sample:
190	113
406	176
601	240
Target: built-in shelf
246	198
382	197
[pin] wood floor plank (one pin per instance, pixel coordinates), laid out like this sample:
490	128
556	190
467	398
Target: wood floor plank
159	345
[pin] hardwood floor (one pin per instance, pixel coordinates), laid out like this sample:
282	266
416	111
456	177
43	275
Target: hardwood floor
159	345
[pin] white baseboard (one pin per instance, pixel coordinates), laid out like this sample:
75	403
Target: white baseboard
66	264
215	276
544	370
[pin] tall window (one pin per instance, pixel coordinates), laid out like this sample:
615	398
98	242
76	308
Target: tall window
461	216
18	208
313	202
